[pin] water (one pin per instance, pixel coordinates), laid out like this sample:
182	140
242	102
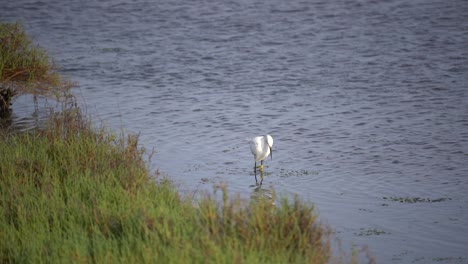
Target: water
367	102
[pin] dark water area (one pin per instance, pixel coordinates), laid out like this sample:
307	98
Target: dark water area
367	102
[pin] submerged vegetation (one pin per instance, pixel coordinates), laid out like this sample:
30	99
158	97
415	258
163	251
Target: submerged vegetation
25	68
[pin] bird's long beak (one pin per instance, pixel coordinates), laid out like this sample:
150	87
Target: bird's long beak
271	153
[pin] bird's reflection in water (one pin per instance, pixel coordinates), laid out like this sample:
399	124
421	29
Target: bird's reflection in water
262	192
257	182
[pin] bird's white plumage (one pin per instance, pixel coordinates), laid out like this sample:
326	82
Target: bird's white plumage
261	146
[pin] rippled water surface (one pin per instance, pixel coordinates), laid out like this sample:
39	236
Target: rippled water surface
367	102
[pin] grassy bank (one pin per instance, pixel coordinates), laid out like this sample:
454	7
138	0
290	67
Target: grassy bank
74	194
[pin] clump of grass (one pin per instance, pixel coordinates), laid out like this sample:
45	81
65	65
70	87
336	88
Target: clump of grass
73	194
25	68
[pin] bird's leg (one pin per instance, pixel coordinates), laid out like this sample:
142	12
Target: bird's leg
261	166
261	176
255	172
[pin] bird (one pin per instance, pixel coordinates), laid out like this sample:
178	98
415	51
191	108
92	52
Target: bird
261	148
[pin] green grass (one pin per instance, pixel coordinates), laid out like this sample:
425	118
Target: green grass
26	69
73	194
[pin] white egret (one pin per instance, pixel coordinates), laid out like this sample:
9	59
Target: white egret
261	148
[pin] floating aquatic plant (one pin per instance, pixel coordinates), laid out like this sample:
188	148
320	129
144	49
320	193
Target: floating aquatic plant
416	199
